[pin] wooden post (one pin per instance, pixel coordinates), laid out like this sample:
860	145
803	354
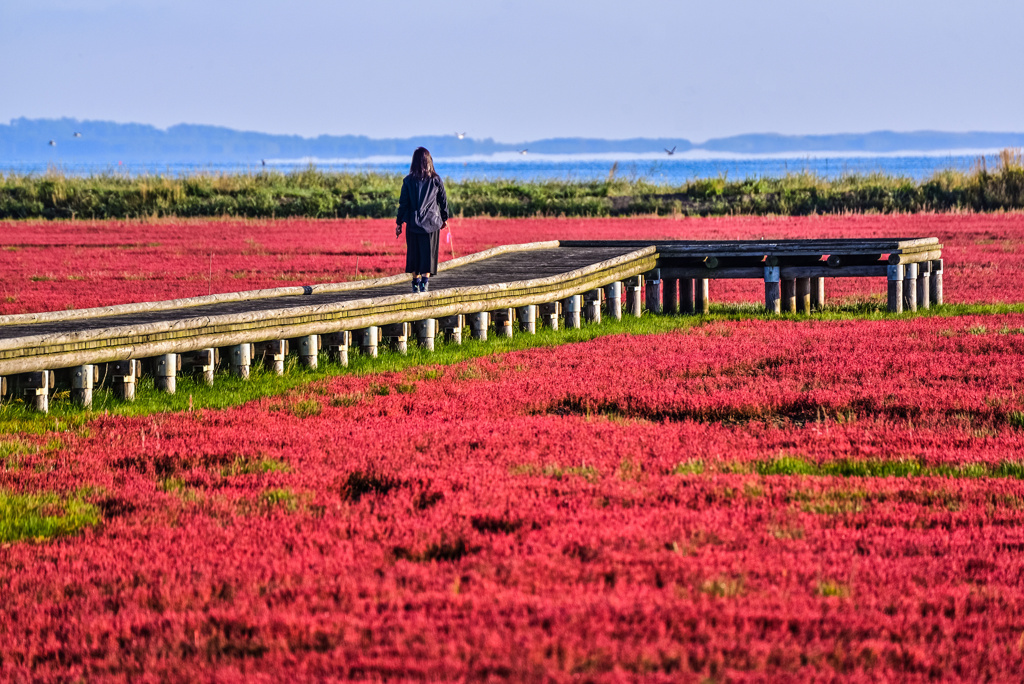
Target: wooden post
124	376
396	337
309	350
670	296
203	361
337	346
549	314
592	306
818	294
478	323
613	299
772	294
703	295
571	311
924	273
653	291
527	316
273	354
687	296
895	277
36	389
165	372
634	301
451	327
366	340
426	331
83	380
788	295
803	295
936	284
910	287
503	320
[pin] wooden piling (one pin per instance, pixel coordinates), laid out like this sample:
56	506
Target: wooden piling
772	293
202	361
503	322
396	337
935	286
818	294
702	295
634	299
803	295
451	328
337	344
273	354
910	287
527	316
592	305
924	272
670	296
308	347
687	296
895	295
83	380
549	315
36	387
571	312
426	331
125	374
788	286
366	340
613	299
478	323
165	372
653	291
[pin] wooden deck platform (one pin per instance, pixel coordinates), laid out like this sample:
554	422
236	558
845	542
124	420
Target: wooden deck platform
548	282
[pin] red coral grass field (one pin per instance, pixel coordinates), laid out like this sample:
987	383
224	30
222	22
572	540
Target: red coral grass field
79	264
738	500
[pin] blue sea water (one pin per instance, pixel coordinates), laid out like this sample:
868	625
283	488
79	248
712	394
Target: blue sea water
662	169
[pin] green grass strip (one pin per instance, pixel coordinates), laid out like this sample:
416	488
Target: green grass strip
43	516
906	468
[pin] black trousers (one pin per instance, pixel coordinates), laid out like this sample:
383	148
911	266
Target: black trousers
421	254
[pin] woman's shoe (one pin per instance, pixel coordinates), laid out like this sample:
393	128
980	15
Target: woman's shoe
416	285
424	284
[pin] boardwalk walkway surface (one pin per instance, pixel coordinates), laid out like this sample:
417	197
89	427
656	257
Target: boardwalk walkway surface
521	284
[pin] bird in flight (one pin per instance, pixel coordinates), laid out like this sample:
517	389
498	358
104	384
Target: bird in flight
460	136
53	143
524	151
672	151
77	134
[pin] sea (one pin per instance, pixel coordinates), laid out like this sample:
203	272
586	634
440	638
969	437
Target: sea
663	169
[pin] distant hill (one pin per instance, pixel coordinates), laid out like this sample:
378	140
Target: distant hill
104	142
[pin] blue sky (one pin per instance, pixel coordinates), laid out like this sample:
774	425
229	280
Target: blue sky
519	70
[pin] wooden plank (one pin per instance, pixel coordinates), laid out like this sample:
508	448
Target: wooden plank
878	271
699	272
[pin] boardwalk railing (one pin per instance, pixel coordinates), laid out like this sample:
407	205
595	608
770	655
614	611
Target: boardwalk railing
553	282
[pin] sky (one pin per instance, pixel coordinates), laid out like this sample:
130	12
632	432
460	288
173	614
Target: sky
519	70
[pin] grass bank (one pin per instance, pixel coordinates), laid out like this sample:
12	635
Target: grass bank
317	194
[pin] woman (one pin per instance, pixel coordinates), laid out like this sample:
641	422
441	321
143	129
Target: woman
423	208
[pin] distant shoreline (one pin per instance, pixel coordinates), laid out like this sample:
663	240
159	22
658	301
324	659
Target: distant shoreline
25	141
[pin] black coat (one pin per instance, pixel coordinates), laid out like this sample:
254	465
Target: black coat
423	204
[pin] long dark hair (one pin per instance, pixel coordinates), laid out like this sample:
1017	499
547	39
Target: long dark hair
422	164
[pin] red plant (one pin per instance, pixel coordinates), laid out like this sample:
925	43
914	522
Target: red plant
598	510
78	264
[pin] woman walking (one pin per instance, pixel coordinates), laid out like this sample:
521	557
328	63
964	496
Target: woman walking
423	208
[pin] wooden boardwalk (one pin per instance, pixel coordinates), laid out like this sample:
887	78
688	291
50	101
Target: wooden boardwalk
516	286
